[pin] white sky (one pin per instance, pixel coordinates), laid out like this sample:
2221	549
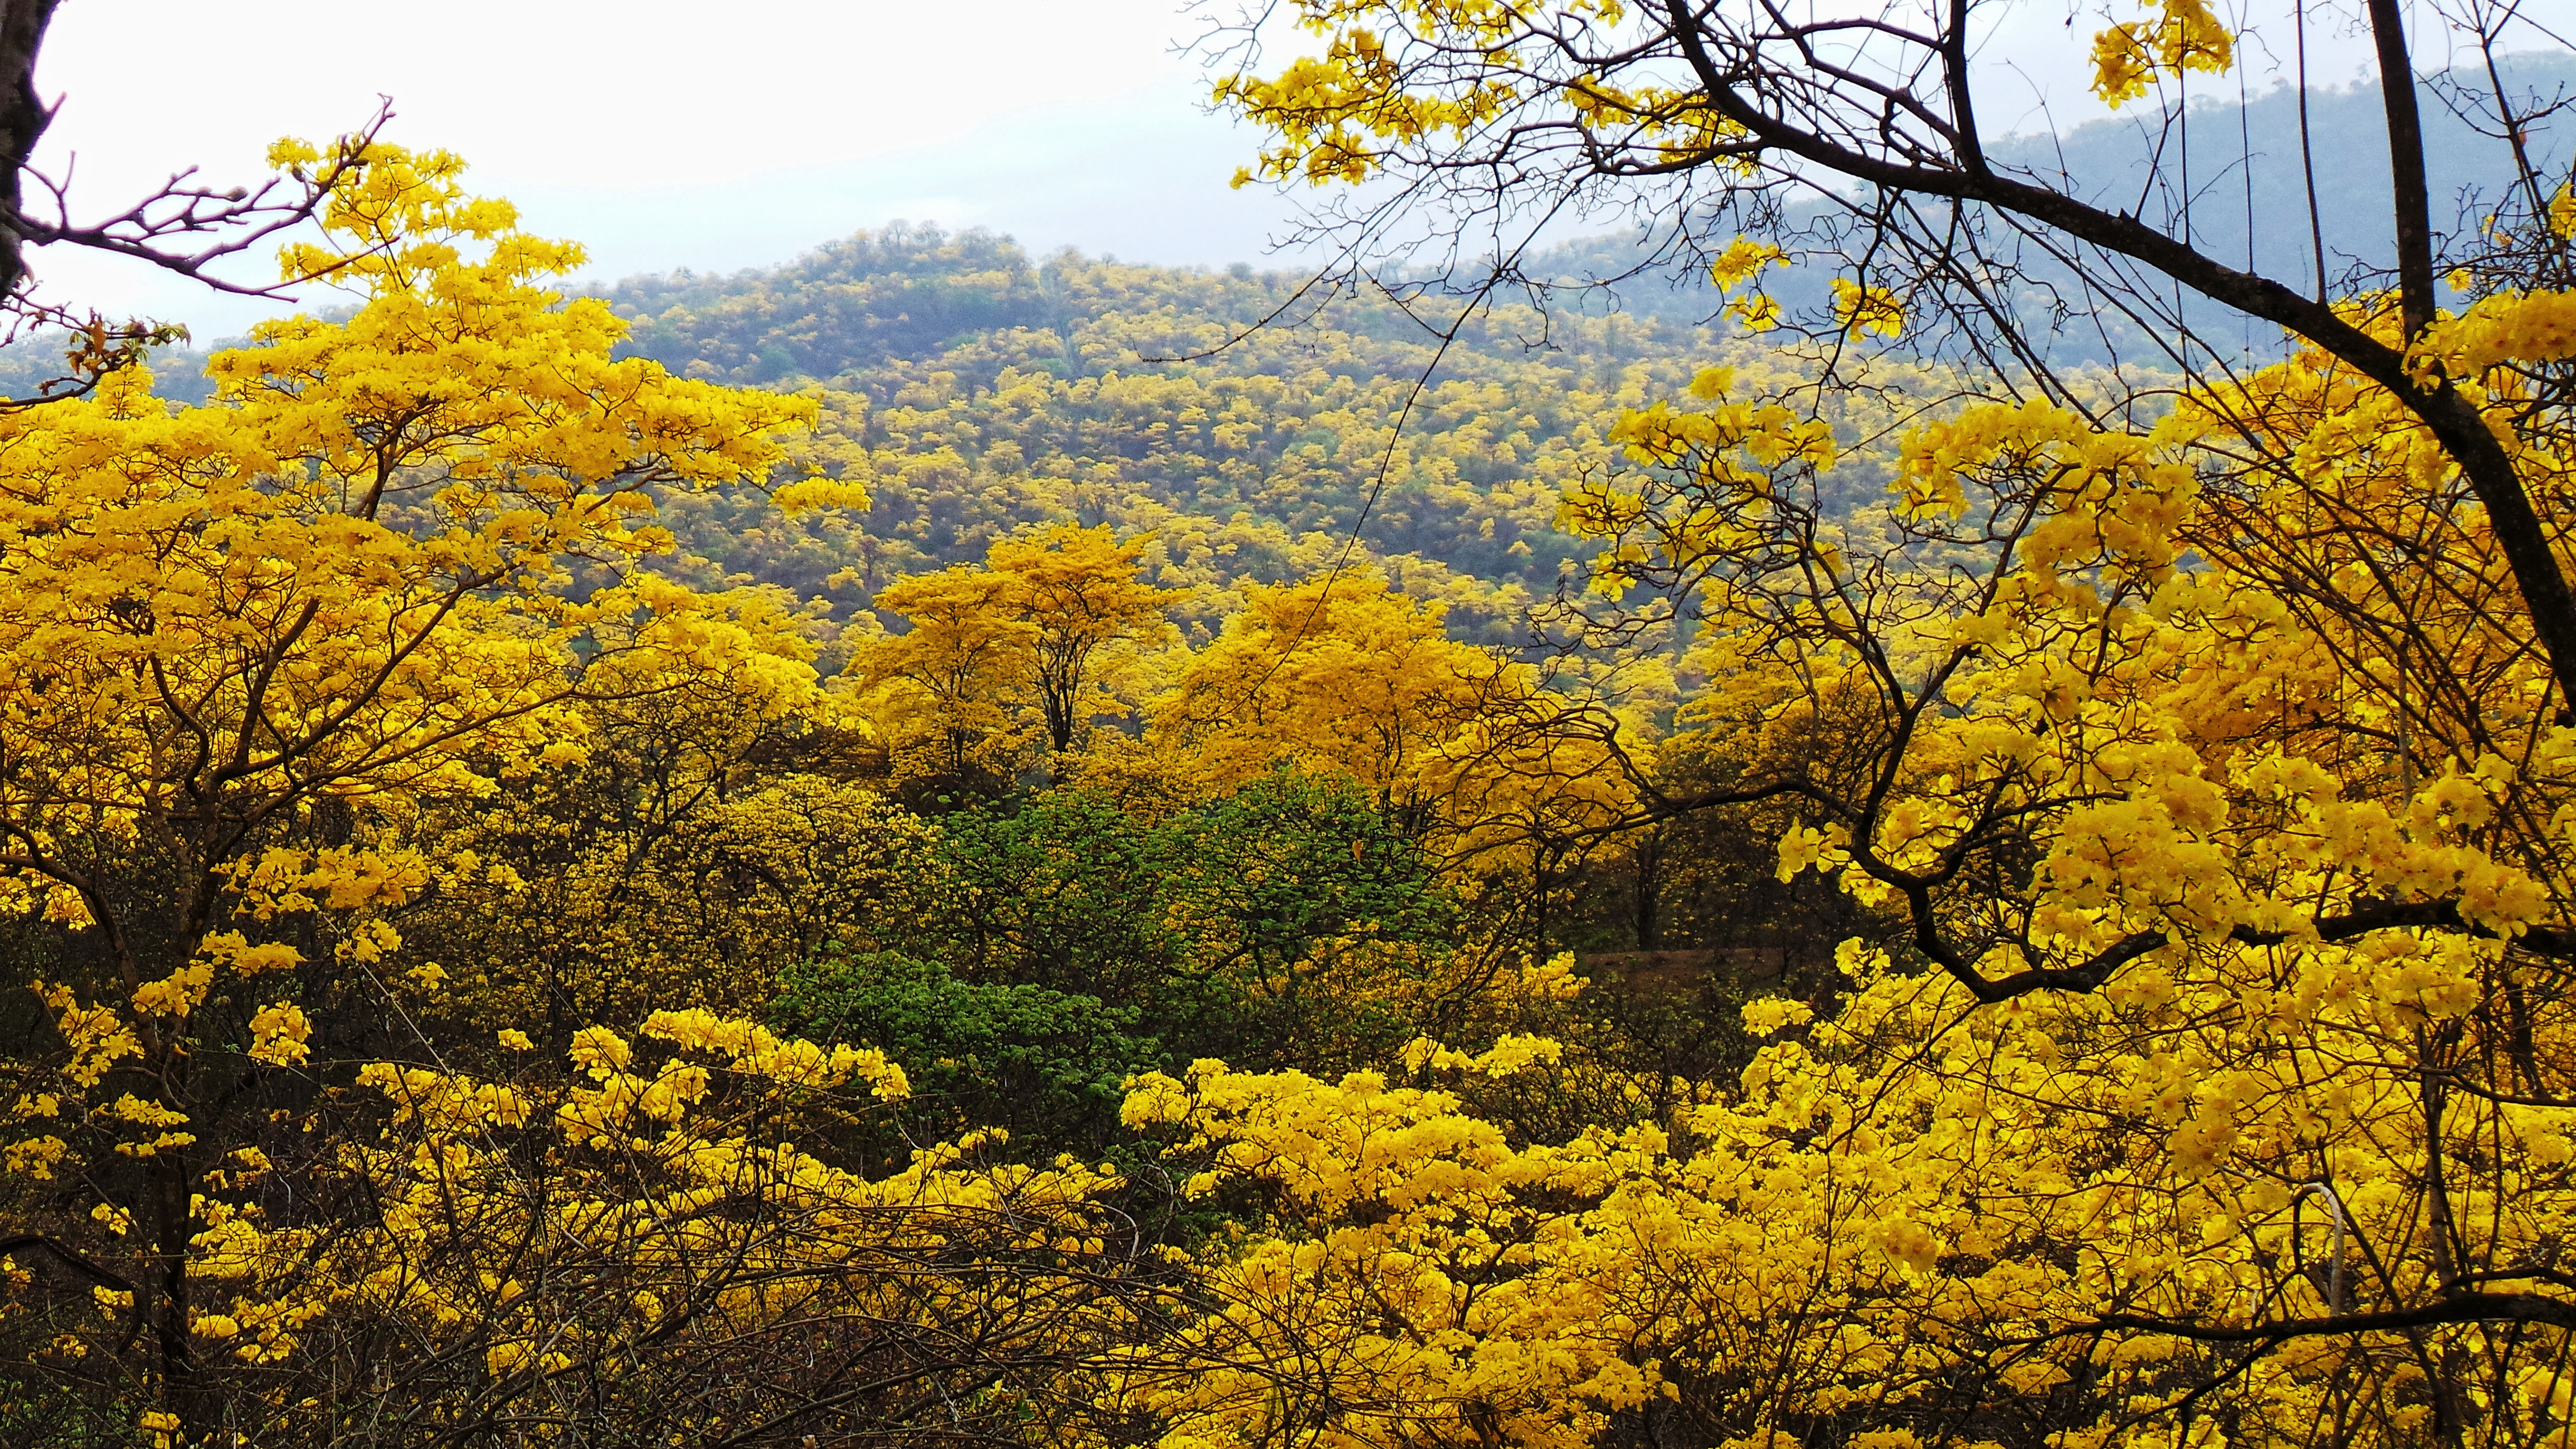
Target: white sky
664	135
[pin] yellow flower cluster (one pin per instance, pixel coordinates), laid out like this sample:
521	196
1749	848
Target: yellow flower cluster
2185	35
1861	308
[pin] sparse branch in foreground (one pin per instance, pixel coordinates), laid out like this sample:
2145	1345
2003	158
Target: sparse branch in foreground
185	226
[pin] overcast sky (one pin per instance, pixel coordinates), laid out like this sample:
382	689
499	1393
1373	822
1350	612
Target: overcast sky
664	135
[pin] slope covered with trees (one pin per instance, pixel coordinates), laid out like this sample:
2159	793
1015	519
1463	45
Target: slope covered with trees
503	974
975	391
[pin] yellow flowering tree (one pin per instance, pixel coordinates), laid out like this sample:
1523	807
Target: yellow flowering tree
1025	647
1341	673
655	1244
2210	749
2214	1080
1502	775
1078	587
1721	118
948	694
695	832
236	640
2076	1220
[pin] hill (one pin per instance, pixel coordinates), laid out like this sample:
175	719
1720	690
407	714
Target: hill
2246	196
1257	430
976	390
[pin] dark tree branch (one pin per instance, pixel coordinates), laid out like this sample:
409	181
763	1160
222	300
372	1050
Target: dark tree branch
2557	943
23	118
2407	189
183	226
231	221
77	1262
2458	1308
2452	419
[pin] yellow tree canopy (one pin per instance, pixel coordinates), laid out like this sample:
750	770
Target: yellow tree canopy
233	638
2215	1084
1342	673
1078	587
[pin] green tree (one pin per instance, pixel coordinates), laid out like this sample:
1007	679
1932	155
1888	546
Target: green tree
1253	925
1047	1067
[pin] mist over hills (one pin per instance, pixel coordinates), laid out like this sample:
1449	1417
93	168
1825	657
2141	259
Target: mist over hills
2248	181
2246	198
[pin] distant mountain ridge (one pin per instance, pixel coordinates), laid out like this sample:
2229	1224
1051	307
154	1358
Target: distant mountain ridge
2111	162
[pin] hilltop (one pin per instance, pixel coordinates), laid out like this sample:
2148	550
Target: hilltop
1245	425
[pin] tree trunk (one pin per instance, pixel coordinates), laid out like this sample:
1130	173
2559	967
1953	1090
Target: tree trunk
23	117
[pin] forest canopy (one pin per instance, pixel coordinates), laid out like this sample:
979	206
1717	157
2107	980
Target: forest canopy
927	846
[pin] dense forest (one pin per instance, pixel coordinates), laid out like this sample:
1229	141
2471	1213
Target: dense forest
977	392
940	847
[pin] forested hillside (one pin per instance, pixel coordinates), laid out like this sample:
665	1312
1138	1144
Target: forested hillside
932	849
1244	426
976	391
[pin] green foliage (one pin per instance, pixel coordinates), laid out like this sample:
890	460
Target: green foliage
1066	892
1294	860
1048	1067
1052	950
1234	918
